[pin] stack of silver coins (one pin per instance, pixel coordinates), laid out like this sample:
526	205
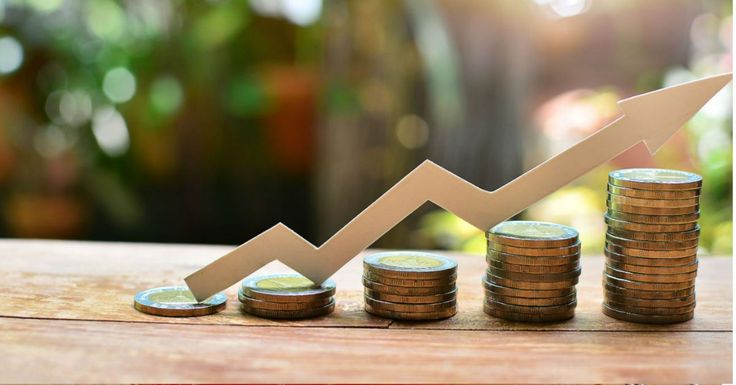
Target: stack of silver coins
651	245
286	296
533	268
409	285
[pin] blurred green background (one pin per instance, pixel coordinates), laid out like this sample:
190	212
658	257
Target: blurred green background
210	121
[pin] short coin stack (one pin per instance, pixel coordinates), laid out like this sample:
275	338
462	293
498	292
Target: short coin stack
651	245
410	285
286	296
533	268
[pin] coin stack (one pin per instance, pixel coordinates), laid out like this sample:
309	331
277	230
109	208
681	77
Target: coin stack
533	268
651	245
410	285
286	296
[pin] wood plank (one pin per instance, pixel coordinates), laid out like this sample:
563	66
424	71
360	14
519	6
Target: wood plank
38	351
97	281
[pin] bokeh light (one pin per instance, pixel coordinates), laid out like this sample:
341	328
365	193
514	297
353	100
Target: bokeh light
11	54
119	85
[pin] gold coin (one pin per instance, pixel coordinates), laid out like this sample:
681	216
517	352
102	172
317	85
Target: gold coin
653	194
629	201
649	261
286	288
410	298
516	284
655	179
647	319
645	210
406	316
521	301
651	245
410	307
651	253
658	237
405	290
410	265
654	219
650	310
650	228
449	280
647	294
532	269
653	269
289	314
535	252
526	293
532	234
177	301
531	277
527	317
655	278
532	261
647	286
266	305
651	303
531	309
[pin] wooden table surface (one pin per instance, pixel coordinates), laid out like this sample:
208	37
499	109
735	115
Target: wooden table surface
66	315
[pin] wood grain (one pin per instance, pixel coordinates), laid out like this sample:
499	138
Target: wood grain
42	350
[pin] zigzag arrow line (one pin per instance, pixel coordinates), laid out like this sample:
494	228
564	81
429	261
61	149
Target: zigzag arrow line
650	118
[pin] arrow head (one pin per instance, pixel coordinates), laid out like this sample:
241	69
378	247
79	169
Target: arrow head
664	111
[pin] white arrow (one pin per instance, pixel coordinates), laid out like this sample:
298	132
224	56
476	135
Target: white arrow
652	118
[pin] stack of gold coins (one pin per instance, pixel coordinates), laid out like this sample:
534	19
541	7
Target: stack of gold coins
286	296
410	285
533	268
651	245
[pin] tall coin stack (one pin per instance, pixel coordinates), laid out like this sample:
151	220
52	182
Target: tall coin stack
651	245
286	296
410	285
533	268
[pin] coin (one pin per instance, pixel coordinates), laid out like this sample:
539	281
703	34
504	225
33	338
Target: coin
652	245
446	281
527	317
647	286
410	298
649	319
532	261
509	291
406	316
650	261
286	288
521	301
653	194
647	294
651	253
177	301
289	314
655	303
267	305
534	269
516	284
645	210
410	308
655	179
532	234
653	269
410	265
650	228
402	290
629	201
659	237
655	278
654	219
535	252
650	310
531	309
533	277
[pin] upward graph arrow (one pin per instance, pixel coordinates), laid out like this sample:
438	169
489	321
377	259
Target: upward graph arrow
650	118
